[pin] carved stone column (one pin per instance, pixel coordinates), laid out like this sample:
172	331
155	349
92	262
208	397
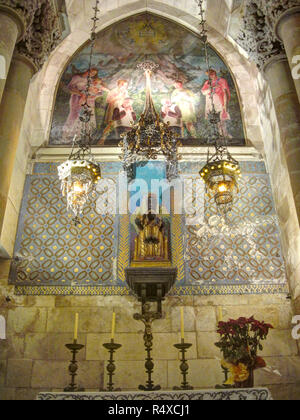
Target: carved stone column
278	75
11	117
259	40
12	29
287	28
42	34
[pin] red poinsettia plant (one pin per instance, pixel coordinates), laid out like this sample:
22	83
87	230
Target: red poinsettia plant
240	341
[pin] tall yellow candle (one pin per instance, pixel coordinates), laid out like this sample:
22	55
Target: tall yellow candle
113	326
76	327
182	323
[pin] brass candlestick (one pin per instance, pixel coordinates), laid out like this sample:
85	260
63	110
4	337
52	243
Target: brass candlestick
73	367
226	373
112	347
147	317
184	367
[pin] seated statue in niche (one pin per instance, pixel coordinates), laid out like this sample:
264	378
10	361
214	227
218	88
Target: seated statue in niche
152	243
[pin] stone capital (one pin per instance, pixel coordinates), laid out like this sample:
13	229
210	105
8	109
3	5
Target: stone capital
17	16
42	28
278	9
257	37
283	18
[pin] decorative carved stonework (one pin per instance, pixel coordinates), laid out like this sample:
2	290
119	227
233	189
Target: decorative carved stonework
274	9
42	28
257	37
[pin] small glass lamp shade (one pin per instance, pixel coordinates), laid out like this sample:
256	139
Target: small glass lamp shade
78	180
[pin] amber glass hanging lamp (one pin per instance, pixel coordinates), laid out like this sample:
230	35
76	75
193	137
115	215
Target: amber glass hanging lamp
221	171
80	173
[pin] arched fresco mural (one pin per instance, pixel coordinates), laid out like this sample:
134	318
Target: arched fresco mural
180	84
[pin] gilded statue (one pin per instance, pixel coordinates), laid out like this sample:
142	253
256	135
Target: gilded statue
151	242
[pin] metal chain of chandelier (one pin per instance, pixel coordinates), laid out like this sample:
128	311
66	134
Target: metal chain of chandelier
150	137
222	171
80	173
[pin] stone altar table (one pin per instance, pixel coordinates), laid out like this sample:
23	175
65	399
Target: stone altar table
251	394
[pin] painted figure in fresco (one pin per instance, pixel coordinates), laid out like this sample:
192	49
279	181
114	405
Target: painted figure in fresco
185	100
172	115
77	88
123	117
221	96
115	99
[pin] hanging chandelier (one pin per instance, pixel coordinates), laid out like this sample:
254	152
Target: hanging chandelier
221	174
221	171
80	173
150	137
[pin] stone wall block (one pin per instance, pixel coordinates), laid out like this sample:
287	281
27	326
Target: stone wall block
132	347
3	364
12	347
164	324
27	320
51	346
18	373
48	375
189	319
205	374
177	301
280	370
4	269
163	346
90	374
125	321
231	300
268	314
279	343
206	319
7	394
206	345
131	374
92	320
28	394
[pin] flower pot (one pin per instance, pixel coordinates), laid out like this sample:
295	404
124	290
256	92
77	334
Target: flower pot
248	383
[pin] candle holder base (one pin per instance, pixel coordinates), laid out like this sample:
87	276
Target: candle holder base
112	347
75	389
183	388
73	367
184	367
150	388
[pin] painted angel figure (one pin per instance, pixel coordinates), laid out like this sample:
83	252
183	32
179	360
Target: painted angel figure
185	101
115	99
172	115
124	117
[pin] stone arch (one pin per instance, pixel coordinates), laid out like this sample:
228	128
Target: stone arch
243	72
